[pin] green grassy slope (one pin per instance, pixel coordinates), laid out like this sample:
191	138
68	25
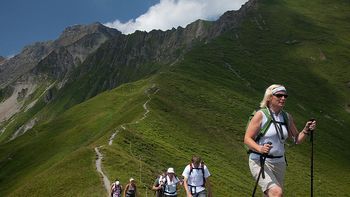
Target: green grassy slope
201	107
58	158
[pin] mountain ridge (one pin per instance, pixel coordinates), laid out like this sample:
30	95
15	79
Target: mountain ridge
120	57
30	56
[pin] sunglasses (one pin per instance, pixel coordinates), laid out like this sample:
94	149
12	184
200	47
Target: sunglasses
281	95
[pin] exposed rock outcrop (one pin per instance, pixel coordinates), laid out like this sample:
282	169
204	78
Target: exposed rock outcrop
79	41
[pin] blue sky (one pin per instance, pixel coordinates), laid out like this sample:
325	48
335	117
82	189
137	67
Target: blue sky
24	22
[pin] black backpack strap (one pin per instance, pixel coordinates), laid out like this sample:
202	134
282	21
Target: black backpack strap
203	175
202	169
277	127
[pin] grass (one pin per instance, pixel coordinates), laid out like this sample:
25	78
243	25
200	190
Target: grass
201	108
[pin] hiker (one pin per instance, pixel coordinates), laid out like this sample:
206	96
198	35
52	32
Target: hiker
170	183
268	148
159	183
116	189
196	179
130	189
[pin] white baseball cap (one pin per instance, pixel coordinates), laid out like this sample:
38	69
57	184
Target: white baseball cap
171	170
131	179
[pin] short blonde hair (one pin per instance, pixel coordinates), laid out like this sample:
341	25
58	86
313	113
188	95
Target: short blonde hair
268	94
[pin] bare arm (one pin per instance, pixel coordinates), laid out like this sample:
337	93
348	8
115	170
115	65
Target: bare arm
188	192
154	187
112	189
126	188
252	131
299	137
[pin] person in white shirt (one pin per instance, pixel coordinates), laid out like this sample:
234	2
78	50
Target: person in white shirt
158	184
170	183
196	179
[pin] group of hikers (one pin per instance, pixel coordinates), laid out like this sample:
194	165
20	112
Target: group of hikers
265	136
195	181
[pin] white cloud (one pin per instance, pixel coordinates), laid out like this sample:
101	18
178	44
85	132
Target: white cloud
173	13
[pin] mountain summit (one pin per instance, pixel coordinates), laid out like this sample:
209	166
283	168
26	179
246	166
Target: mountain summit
79	40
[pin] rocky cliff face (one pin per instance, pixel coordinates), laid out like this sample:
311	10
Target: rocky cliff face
43	62
59	62
79	41
124	58
166	46
23	62
232	19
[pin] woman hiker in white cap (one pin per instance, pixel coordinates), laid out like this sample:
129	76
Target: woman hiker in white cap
170	183
130	189
267	150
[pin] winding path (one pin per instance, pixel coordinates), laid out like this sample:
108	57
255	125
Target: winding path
112	137
99	155
106	181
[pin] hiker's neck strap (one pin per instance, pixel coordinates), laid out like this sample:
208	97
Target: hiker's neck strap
278	128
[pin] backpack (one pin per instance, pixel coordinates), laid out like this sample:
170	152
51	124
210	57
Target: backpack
266	126
201	167
166	183
131	190
160	192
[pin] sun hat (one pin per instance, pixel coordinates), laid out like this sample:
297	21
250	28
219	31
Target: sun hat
171	170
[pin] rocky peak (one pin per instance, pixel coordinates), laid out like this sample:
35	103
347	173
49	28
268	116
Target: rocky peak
163	46
76	32
232	19
21	63
79	40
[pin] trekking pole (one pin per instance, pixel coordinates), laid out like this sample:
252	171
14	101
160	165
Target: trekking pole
262	164
257	180
312	163
312	160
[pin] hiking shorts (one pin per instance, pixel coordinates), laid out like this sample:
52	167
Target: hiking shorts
274	173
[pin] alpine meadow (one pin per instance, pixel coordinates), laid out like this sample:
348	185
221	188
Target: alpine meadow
144	102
